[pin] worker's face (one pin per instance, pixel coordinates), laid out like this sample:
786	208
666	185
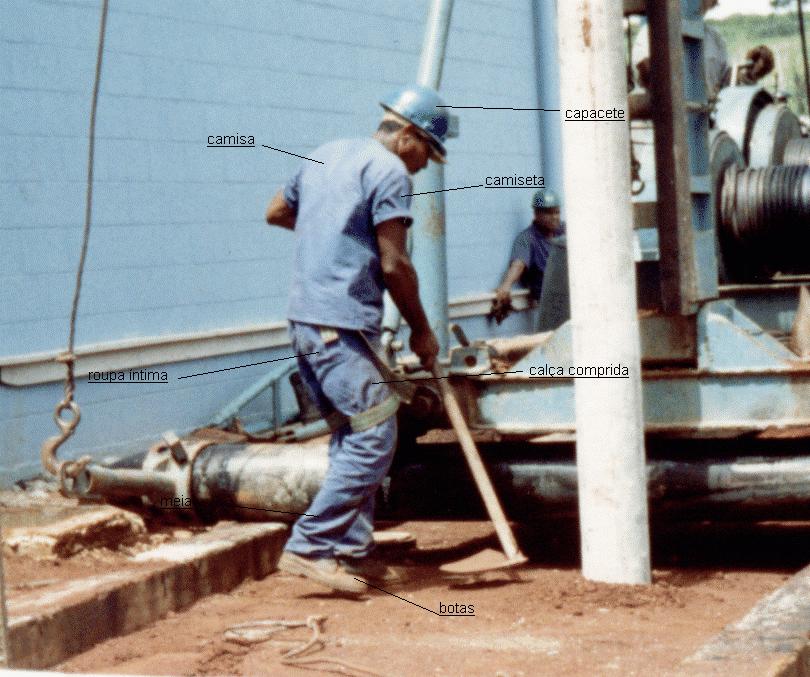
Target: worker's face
413	149
547	221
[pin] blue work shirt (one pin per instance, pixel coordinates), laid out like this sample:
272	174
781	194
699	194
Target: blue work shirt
337	276
532	248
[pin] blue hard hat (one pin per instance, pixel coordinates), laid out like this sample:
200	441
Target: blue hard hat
419	106
546	198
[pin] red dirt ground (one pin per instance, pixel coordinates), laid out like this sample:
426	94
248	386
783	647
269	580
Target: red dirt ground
552	622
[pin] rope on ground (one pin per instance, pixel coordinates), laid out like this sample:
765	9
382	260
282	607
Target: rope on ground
299	655
69	470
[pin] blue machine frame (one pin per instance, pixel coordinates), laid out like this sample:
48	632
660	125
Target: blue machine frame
712	366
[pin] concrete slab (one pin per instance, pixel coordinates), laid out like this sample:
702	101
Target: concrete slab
771	640
45	629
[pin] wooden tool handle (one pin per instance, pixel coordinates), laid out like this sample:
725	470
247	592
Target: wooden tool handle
479	472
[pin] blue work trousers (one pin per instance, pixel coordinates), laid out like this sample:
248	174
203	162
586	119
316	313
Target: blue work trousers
341	376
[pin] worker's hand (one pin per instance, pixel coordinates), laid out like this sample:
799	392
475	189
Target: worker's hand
425	345
501	305
502	296
643	68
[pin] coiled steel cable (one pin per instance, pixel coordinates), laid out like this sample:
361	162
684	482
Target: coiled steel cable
766	213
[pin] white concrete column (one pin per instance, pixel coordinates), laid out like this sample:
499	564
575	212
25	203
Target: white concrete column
596	171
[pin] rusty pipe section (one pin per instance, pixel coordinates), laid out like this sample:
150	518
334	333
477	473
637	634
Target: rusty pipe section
258	482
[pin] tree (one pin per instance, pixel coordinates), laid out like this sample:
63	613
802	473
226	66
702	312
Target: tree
784	3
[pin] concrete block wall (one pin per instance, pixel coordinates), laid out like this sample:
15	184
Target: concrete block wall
178	242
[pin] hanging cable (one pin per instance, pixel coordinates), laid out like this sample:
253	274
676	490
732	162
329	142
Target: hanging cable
70	469
804	54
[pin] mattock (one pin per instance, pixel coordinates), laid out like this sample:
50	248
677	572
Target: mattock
489	559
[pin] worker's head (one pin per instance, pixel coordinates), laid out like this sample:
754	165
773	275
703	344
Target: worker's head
423	125
406	141
546	205
706	5
760	60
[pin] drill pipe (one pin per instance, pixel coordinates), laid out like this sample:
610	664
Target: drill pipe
272	482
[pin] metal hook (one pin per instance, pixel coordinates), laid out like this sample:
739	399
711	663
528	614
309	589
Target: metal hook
67	427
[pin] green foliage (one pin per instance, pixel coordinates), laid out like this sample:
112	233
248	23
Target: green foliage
756	29
780	32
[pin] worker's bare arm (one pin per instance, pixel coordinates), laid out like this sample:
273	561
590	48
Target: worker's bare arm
279	213
403	285
511	276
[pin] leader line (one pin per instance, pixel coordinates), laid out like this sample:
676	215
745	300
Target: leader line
437	378
252	364
303	157
548	110
444	190
407	600
241	507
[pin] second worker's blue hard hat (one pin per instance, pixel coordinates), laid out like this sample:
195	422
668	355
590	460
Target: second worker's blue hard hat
421	106
545	198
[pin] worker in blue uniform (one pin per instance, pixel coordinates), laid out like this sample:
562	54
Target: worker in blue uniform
529	256
350	211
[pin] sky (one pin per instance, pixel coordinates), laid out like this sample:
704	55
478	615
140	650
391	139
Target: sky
728	7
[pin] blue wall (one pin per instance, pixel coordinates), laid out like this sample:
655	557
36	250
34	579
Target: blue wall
178	242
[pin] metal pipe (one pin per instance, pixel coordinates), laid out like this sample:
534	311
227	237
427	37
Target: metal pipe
610	434
430	240
125	482
777	488
269	481
392	318
548	93
431	60
230	410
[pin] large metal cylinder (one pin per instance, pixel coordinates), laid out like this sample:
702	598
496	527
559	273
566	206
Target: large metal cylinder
766	213
258	482
797	152
772	130
277	482
737	110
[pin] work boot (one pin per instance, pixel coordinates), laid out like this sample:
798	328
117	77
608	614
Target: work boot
325	571
370	569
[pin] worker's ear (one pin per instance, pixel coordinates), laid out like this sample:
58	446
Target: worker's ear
408	135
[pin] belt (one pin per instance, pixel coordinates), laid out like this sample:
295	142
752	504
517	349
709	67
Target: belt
376	414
